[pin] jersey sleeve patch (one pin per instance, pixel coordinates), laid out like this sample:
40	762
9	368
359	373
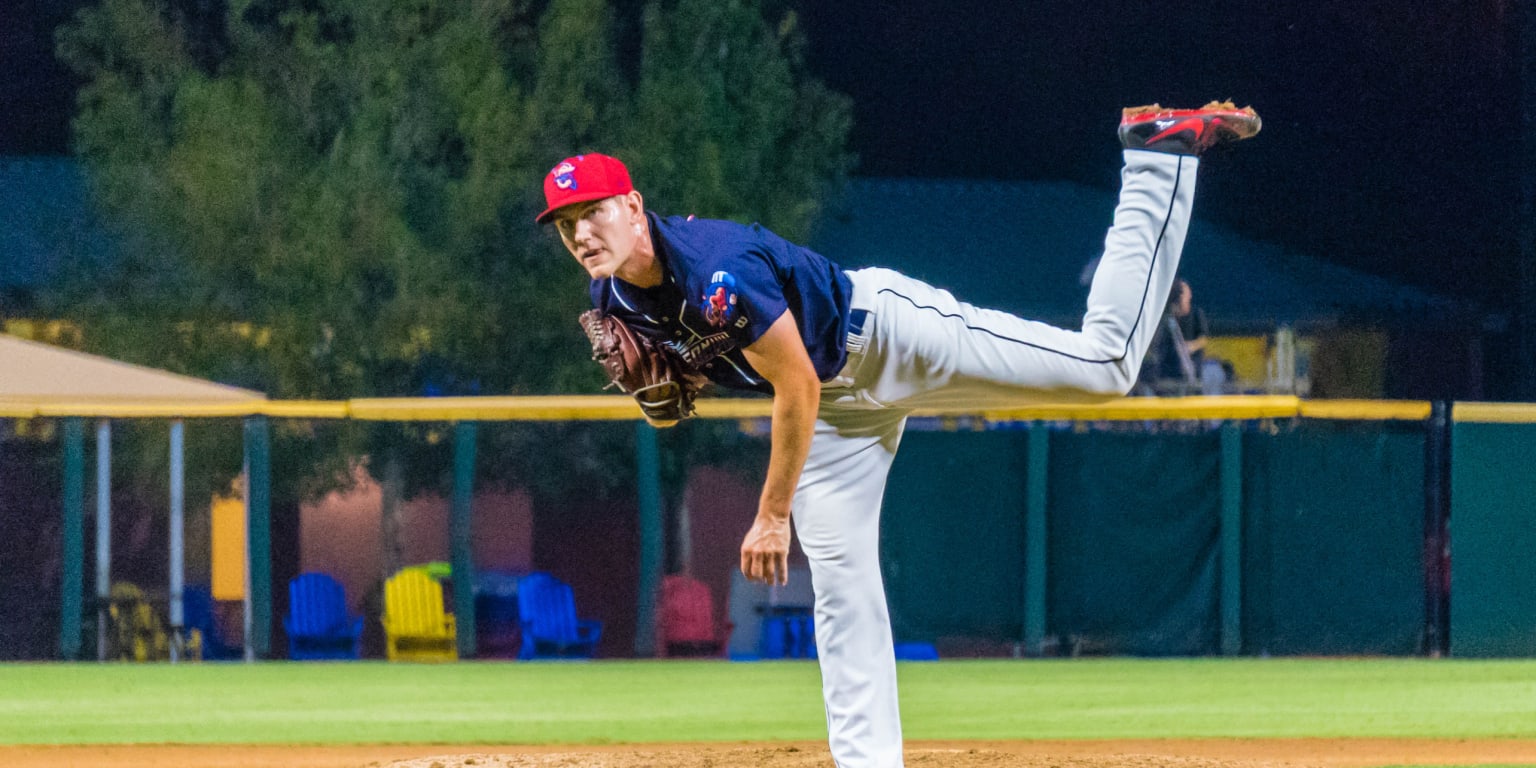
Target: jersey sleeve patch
719	304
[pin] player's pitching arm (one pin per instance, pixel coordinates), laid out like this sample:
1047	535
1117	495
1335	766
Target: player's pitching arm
779	355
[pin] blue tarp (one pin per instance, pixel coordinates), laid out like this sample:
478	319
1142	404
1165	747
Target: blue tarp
47	220
1028	247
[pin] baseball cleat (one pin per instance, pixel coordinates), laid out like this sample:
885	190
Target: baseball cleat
1186	131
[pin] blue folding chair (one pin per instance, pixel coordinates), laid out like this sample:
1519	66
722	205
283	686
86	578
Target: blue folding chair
788	632
318	623
497	633
197	610
546	608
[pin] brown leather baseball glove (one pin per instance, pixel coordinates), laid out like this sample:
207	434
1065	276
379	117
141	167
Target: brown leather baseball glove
661	382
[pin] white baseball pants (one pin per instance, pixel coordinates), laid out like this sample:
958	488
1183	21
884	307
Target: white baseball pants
922	347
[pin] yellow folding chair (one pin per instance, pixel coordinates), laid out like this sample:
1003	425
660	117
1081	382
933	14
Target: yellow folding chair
415	626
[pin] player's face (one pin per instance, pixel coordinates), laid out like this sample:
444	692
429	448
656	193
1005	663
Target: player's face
601	234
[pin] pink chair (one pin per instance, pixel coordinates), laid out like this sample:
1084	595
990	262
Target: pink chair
686	624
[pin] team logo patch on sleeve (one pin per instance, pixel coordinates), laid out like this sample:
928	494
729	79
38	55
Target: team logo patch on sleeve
719	305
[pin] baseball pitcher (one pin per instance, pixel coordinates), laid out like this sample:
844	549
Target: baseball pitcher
847	355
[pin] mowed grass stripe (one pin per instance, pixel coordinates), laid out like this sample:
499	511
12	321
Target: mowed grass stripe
650	701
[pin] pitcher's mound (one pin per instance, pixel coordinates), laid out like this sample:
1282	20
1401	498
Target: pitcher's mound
795	757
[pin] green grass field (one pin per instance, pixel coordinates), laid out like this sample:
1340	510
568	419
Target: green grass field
640	701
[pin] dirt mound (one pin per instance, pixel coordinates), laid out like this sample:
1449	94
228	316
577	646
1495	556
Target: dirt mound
796	757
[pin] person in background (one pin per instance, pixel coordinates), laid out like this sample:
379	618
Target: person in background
1175	363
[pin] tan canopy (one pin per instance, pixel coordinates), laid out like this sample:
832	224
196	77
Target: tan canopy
42	373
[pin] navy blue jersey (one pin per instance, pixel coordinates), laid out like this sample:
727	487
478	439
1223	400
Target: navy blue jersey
724	283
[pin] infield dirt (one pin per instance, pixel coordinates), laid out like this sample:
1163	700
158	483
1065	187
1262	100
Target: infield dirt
1154	753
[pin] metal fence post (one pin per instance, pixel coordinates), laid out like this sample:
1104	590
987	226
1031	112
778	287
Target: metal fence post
461	536
72	602
258	540
648	459
1035	533
1231	539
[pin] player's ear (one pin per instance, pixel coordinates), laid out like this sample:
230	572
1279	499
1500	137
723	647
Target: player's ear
634	205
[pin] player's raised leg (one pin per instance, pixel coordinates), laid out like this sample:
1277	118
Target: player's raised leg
933	350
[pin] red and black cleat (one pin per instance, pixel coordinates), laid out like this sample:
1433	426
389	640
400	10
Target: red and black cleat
1186	131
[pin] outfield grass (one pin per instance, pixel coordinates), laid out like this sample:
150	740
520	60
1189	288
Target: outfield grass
639	701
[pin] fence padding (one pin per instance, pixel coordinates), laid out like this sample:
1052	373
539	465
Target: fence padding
1493	538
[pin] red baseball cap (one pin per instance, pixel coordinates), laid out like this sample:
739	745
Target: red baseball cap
582	178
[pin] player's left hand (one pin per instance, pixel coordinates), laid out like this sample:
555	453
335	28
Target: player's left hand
765	551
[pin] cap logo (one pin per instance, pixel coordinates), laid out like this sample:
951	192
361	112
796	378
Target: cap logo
565	176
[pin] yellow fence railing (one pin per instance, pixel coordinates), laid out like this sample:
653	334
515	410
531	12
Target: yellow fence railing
623	408
1495	413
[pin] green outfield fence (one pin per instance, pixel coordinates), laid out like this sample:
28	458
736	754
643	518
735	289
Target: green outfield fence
1245	525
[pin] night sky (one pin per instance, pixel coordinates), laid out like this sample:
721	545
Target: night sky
1391	139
